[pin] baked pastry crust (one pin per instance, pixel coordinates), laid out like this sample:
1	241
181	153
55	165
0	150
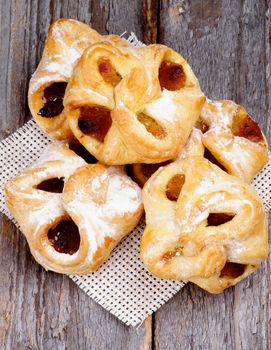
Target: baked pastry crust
141	172
98	206
66	41
146	121
215	138
233	140
186	239
106	209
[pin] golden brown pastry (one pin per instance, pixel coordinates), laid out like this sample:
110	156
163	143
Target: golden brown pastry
194	146
128	105
247	158
141	172
72	213
67	39
229	138
202	225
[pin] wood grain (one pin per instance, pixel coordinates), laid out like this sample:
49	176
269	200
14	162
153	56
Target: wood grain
150	21
227	42
221	40
237	319
38	309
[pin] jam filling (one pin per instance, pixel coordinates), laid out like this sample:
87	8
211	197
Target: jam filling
174	187
201	125
53	95
171	76
216	219
80	150
95	121
54	185
232	270
152	126
244	126
208	155
108	72
65	237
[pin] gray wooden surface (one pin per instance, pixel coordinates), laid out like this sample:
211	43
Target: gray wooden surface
228	45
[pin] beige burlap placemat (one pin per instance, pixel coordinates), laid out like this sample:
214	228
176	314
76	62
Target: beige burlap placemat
122	285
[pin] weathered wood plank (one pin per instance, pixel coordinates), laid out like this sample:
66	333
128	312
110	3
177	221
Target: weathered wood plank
43	310
150	21
13	82
38	309
226	42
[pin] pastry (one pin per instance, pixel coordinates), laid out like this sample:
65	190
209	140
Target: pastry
229	138
67	39
105	205
132	105
73	213
225	135
141	172
202	225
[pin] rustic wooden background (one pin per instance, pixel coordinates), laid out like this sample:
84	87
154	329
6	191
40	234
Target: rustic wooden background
227	42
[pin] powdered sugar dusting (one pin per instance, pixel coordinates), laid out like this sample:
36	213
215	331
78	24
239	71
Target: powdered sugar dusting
58	63
37	82
100	220
61	68
117	286
60	151
218	116
122	195
50	209
164	108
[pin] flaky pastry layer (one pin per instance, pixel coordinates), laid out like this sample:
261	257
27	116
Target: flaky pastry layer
73	229
203	225
130	105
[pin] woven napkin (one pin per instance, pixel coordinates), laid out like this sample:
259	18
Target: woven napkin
122	285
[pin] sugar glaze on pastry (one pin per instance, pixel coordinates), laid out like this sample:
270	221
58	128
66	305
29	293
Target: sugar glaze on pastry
131	105
112	209
66	41
225	135
71	227
202	225
231	139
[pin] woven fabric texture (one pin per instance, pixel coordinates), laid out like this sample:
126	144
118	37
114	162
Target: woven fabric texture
122	285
